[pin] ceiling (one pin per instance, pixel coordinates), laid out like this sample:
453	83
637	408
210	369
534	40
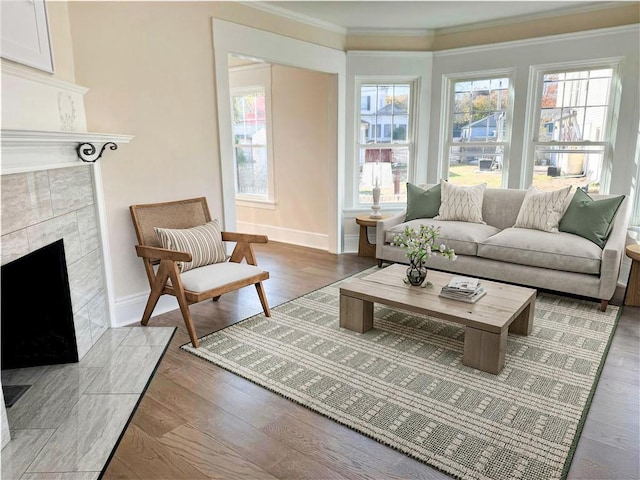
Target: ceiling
419	15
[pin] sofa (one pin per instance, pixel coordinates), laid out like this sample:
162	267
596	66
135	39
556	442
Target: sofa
494	249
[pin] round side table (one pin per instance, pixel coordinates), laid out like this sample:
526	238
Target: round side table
632	297
365	247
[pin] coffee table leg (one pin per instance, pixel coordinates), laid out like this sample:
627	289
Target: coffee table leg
523	323
356	314
484	350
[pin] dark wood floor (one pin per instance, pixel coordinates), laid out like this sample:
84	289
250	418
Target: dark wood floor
198	421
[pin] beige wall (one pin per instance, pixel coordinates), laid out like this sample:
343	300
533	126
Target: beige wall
149	67
409	43
132	58
61	41
304	136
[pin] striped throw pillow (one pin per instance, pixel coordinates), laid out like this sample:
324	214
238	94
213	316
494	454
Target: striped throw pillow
203	242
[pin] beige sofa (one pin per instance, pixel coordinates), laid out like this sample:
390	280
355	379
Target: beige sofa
560	261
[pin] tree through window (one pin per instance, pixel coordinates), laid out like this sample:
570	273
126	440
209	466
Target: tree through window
478	130
571	138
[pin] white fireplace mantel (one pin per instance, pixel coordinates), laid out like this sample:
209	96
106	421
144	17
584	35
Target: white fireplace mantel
22	150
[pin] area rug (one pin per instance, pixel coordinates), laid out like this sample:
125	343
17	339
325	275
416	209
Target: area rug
403	382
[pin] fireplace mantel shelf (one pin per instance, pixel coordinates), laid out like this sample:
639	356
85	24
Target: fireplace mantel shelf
29	150
21	138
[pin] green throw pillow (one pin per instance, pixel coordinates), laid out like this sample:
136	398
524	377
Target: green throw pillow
590	218
422	203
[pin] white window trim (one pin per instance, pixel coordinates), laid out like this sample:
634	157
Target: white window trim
414	82
534	94
247	200
446	112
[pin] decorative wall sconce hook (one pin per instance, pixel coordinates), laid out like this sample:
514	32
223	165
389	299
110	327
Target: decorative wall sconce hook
87	151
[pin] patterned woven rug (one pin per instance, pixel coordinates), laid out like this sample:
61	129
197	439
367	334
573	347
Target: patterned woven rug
403	382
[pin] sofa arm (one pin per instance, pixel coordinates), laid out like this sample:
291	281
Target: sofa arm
383	225
613	251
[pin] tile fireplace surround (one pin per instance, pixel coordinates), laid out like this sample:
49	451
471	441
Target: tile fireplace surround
43	206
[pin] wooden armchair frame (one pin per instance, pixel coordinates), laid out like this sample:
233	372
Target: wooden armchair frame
166	279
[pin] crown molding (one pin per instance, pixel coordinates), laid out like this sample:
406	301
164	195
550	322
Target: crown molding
389	53
560	12
635	28
396	32
297	17
408	32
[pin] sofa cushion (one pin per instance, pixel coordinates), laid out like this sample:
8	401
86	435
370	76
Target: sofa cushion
203	242
461	203
422	203
590	218
542	210
500	206
557	251
463	237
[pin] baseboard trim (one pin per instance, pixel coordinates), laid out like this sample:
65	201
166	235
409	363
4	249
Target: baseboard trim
129	309
287	235
351	243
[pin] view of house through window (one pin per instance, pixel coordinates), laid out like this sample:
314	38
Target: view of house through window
384	140
250	141
478	131
571	127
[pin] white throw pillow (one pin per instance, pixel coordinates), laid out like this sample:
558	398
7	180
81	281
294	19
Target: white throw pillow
461	203
542	210
203	242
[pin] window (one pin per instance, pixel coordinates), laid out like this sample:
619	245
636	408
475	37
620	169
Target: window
571	127
478	129
250	143
384	140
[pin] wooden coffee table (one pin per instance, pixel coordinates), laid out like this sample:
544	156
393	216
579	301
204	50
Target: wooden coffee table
505	308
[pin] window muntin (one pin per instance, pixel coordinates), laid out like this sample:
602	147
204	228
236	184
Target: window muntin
384	140
250	143
571	141
478	130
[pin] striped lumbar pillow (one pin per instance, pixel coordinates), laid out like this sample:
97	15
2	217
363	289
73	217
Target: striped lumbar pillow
203	242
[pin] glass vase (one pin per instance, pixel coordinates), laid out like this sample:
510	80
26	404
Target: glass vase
416	273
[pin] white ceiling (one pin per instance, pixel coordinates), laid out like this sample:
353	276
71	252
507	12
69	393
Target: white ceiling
419	15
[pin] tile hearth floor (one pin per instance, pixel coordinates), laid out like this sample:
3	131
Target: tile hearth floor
66	425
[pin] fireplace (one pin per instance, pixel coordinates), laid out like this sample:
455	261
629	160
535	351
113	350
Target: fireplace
37	317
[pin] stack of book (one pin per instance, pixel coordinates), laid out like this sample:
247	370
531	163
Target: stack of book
464	289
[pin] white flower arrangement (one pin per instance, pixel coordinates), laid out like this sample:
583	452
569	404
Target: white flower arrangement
421	244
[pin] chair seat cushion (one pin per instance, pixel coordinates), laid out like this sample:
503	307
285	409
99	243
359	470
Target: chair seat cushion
558	251
217	275
463	237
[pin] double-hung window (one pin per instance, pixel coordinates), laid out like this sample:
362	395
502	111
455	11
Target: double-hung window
384	139
250	137
478	128
570	133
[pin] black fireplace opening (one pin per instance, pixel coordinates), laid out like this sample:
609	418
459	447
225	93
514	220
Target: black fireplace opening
36	313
